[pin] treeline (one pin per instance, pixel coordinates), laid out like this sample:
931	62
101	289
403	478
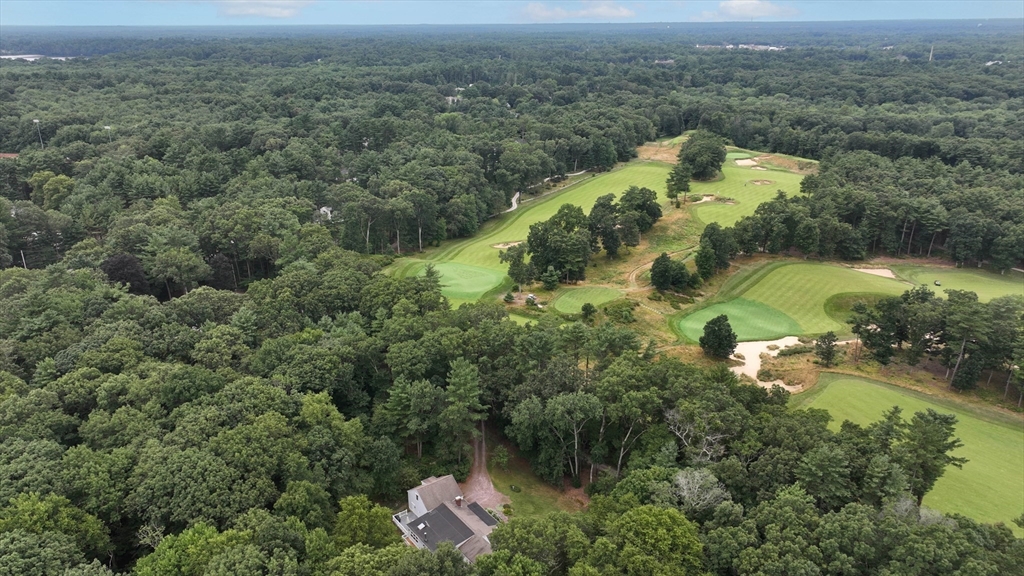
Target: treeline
560	248
861	205
221	432
405	140
967	336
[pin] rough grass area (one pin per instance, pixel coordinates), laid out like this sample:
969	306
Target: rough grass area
466	260
750	320
987	285
800	290
737	184
988	488
571	300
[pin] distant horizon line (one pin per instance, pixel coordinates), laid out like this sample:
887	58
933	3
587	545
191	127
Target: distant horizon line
509	24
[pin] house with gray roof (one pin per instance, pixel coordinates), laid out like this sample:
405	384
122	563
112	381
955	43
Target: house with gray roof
439	513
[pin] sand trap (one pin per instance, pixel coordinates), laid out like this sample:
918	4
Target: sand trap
761	182
758	168
752	351
746	162
507	245
705	198
883	272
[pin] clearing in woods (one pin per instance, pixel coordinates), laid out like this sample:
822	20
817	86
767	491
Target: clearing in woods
988	488
470	267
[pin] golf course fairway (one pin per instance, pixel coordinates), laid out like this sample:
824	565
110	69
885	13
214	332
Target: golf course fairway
987	285
746	186
786	299
988	488
470	267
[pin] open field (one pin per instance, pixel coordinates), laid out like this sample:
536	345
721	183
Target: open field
470	267
737	183
571	300
987	285
988	488
786	299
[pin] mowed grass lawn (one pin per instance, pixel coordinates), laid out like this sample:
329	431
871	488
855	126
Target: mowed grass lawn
535	497
470	267
990	487
571	300
737	183
987	285
786	299
750	320
800	291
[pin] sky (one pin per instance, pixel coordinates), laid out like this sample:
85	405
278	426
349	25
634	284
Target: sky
385	12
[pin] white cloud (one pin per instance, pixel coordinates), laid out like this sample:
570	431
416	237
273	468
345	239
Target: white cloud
263	8
748	10
258	8
588	10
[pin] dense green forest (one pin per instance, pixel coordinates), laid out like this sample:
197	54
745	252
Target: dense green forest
205	370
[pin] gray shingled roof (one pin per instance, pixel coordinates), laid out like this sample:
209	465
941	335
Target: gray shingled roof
434	492
440	525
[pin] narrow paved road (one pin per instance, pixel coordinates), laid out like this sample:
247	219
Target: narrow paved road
478	486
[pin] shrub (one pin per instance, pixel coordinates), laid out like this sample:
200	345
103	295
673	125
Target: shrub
794	350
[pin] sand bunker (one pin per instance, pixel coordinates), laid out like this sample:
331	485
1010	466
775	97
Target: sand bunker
758	168
761	182
506	245
883	272
746	162
751	352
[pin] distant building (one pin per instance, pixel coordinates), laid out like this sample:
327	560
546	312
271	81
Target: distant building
439	513
7	155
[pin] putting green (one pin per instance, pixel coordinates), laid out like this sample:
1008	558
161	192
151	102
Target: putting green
987	285
737	155
988	488
749	320
738	184
796	294
571	300
470	267
462	282
521	320
800	291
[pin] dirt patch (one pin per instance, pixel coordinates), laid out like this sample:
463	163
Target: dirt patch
507	245
758	168
762	182
658	151
798	167
883	272
478	486
746	162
